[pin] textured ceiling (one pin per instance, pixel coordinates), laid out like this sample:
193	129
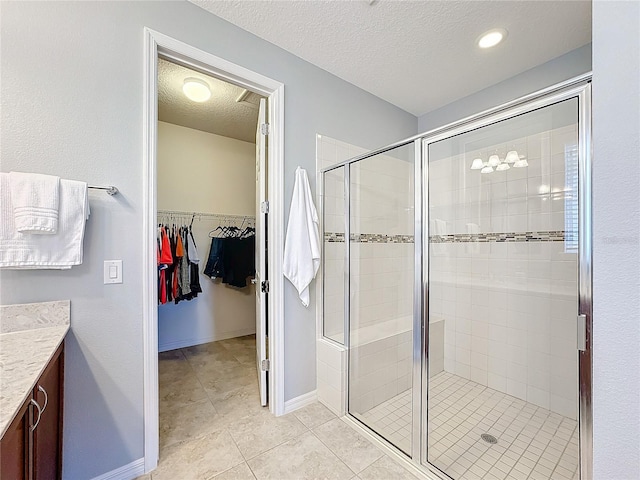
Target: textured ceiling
418	55
221	114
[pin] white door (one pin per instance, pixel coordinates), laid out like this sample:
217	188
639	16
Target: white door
262	283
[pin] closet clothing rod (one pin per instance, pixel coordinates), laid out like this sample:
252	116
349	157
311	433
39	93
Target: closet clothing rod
110	189
203	214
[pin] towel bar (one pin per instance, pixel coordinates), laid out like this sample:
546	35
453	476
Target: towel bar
110	189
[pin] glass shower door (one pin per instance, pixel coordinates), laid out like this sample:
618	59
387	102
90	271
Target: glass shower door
503	298
382	259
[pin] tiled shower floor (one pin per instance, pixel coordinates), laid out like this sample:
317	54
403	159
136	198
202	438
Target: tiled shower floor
392	420
533	443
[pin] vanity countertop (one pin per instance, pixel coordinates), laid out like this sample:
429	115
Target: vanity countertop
24	353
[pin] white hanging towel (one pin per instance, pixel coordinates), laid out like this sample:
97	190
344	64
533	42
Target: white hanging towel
59	251
35	199
302	243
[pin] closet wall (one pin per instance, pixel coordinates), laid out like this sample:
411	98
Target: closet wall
203	172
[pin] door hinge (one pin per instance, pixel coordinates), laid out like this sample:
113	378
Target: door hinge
264	129
264	286
582	333
264	365
264	207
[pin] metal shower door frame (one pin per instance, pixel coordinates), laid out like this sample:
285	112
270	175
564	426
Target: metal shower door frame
580	89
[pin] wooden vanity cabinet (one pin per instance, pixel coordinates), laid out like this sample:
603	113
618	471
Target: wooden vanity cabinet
31	448
47	437
13	446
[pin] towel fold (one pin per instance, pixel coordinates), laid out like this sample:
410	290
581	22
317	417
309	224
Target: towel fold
302	242
58	251
35	200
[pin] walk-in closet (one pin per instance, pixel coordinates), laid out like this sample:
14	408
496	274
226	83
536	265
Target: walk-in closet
207	184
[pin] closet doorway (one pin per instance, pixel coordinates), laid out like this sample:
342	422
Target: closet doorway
209	321
212	267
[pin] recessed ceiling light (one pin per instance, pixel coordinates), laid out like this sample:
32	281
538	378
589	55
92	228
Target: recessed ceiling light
492	38
196	89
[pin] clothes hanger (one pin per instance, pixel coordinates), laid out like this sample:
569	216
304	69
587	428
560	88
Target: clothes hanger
219	227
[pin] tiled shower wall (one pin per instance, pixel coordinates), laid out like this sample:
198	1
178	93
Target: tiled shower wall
510	303
382	247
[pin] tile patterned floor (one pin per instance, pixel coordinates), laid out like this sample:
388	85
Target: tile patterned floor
392	420
533	443
212	426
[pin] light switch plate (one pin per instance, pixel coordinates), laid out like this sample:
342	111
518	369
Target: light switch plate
112	271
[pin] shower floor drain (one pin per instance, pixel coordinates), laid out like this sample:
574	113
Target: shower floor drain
489	438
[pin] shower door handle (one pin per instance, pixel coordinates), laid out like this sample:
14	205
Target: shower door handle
582	333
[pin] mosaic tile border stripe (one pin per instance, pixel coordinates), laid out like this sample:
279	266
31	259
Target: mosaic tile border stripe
508	237
368	238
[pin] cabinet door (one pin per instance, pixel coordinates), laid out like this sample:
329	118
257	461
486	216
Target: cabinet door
47	443
13	447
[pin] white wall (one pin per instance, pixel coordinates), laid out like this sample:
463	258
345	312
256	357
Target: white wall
203	172
616	247
72	89
200	171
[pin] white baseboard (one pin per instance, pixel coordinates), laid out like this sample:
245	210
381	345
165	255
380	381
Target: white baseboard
299	402
126	472
190	342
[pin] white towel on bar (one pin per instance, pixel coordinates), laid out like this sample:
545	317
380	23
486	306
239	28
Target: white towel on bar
35	200
302	242
58	251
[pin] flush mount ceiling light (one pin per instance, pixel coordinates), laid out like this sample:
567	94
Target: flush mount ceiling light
492	38
196	89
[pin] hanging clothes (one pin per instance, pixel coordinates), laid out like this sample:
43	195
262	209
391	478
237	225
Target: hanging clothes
165	258
178	260
194	261
232	257
239	260
215	266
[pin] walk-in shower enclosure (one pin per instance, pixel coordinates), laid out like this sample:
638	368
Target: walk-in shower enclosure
457	285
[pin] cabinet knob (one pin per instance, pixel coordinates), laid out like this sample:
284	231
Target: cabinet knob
46	397
33	402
